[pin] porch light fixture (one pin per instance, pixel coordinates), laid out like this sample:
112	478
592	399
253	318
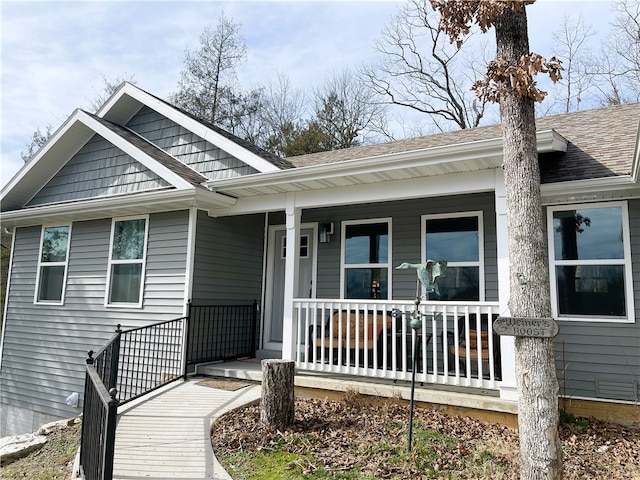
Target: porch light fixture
326	230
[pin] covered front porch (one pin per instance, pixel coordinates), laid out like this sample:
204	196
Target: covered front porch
334	234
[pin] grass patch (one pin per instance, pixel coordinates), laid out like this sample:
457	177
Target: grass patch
54	461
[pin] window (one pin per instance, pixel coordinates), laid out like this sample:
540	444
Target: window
590	257
52	264
304	247
366	259
456	238
127	261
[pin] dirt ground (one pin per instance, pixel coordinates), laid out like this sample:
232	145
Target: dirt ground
340	436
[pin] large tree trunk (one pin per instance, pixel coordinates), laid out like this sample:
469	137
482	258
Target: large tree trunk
540	448
277	400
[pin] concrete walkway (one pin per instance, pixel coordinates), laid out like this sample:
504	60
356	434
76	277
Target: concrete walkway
166	434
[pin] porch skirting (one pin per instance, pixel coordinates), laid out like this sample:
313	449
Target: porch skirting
478	403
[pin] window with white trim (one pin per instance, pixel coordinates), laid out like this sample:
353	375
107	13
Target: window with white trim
127	261
590	262
52	264
456	238
366	259
304	247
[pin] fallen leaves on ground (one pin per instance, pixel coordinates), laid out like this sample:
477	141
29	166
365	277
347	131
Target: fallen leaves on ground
369	440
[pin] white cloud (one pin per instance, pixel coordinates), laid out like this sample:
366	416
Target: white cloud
55	53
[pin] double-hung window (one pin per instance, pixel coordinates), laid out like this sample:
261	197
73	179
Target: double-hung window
127	261
590	255
366	258
456	238
52	264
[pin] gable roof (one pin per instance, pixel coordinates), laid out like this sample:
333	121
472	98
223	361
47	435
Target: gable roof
128	99
68	139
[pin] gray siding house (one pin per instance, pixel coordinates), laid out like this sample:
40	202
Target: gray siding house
126	216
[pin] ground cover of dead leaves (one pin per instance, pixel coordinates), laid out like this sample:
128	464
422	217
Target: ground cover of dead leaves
357	435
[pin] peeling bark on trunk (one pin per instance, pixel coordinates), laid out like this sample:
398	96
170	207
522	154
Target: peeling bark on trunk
277	399
540	448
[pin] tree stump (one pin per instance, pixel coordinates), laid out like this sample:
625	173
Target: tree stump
277	399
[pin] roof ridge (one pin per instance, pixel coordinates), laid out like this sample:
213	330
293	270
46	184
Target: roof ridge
276	160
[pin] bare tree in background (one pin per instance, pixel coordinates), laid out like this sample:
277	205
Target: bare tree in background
39	138
347	111
283	113
421	70
572	46
618	67
208	88
509	81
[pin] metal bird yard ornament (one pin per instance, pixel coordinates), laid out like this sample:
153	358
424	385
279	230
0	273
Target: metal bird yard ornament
427	274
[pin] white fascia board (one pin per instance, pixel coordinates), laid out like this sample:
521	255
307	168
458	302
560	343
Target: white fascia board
481	150
392	161
42	152
422	187
636	156
165	173
106	206
587	189
190	124
122	89
550	141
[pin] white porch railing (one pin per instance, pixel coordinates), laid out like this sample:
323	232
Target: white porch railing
455	346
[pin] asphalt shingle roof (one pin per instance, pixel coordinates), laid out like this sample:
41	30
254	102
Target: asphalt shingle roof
601	144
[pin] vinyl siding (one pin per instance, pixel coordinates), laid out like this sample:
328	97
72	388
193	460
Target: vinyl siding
602	359
406	238
98	169
45	346
187	147
228	260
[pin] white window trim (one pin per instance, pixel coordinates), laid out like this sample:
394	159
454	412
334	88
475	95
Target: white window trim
388	263
36	294
480	263
143	260
626	262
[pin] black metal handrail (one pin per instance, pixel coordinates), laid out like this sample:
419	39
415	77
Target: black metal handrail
221	332
149	358
138	361
98	426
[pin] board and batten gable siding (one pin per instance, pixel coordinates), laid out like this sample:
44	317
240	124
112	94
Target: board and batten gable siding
228	265
98	169
602	359
45	346
189	148
406	238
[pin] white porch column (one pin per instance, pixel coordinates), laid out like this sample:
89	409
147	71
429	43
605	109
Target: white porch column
508	389
292	259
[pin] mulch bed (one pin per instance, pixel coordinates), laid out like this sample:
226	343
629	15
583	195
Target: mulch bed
339	436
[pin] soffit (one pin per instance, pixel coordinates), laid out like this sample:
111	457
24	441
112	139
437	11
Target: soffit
406	165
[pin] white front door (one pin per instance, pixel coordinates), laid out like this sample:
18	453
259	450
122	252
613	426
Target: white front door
274	302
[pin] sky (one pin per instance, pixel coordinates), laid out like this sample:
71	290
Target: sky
54	55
